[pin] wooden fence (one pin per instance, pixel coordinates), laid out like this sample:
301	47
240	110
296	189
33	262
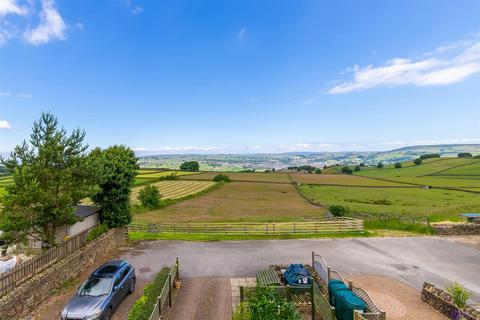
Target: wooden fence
325	226
11	279
164	301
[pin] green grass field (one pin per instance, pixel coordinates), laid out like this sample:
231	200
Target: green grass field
341	179
175	189
396	201
242	176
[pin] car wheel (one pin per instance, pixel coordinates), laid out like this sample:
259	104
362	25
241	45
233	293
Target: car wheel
108	314
132	286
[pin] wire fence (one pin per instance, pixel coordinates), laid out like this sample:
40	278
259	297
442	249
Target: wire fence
324	226
164	301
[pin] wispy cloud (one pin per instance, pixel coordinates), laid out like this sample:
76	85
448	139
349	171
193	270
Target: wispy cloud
5	94
252	99
11	7
51	27
432	68
137	10
25	95
134	9
242	34
5	125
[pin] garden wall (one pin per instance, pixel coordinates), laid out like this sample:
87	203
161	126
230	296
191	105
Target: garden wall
443	303
457	229
23	300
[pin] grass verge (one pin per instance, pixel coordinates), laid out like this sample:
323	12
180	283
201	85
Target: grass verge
394	224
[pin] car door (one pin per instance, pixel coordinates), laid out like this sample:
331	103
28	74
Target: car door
117	294
125	278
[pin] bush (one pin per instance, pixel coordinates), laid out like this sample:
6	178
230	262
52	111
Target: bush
398	165
172	176
429	156
149	197
97	231
268	304
477	156
362	164
465	155
339	211
221	178
143	307
347	170
459	294
357	168
380	165
417	161
318	171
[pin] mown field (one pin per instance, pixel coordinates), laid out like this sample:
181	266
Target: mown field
341	180
175	189
396	201
239	201
242	176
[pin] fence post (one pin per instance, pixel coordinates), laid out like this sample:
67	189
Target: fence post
313	259
241	294
313	300
159	301
170	290
178	268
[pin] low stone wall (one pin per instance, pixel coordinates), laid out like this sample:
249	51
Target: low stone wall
457	229
443	303
22	301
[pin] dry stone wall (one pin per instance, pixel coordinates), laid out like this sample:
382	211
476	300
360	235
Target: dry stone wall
457	229
21	302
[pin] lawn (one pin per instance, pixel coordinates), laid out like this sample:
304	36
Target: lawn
340	179
240	202
243	176
396	201
175	189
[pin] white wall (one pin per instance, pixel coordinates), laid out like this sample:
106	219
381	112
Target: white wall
87	223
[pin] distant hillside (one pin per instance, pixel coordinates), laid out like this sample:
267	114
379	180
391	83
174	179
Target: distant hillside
260	162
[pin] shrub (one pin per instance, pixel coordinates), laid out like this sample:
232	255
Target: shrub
190	166
149	197
362	164
347	170
429	156
242	312
143	307
459	294
268	304
465	155
97	231
357	168
172	176
477	156
339	211
318	171
221	178
417	161
398	165
380	165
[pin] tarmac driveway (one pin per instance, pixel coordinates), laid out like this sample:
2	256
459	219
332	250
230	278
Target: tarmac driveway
412	260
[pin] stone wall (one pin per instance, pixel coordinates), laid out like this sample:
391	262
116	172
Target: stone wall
22	301
457	229
443	303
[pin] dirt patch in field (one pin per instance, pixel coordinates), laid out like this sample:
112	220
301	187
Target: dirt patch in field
239	201
399	300
202	298
245	176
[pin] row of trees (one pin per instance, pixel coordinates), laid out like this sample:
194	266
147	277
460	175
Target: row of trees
53	172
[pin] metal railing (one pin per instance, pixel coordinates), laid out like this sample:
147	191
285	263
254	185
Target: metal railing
324	226
164	300
16	276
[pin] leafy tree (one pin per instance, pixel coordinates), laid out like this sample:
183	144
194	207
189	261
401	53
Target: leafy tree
190	166
380	165
149	197
50	176
318	171
347	170
307	168
465	155
398	165
339	211
221	178
477	156
429	156
116	168
362	164
357	168
417	161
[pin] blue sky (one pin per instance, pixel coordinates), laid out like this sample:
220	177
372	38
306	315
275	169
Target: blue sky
243	76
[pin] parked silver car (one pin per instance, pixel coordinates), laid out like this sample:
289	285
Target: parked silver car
102	292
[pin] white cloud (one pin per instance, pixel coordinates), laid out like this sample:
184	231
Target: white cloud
137	10
252	99
80	25
5	94
242	34
24	95
51	27
11	7
431	69
5	125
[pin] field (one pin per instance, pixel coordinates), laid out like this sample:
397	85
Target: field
340	180
396	201
239	202
175	189
242	176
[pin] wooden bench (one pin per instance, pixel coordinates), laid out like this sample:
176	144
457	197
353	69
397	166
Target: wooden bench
268	277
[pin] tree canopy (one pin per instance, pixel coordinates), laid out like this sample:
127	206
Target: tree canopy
190	166
50	176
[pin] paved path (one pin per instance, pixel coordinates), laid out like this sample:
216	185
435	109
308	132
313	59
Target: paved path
411	260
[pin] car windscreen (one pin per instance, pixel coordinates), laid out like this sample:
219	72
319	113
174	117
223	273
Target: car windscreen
95	287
